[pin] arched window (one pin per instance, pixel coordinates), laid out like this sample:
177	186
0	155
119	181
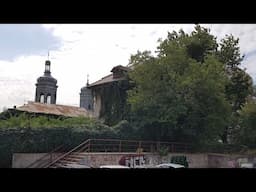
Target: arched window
48	99
89	107
42	98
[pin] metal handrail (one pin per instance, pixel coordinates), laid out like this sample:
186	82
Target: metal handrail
48	154
118	140
119	146
72	150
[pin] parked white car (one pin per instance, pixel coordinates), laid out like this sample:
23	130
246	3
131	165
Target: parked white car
114	167
169	165
246	165
76	166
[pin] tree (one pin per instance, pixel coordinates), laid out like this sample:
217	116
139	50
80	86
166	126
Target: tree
239	86
180	93
254	90
246	132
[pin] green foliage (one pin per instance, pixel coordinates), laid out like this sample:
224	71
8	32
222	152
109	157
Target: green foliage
239	86
163	150
27	121
26	134
245	131
125	130
229	52
220	148
182	160
254	90
181	92
114	106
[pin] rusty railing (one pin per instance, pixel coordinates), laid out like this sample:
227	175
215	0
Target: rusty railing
47	158
116	145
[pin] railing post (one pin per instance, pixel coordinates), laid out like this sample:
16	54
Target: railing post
140	147
120	145
50	157
151	148
89	145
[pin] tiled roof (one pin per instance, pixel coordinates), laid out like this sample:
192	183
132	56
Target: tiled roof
120	67
109	78
62	110
106	79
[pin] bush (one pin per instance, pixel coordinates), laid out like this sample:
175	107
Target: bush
220	148
163	150
182	160
41	134
125	130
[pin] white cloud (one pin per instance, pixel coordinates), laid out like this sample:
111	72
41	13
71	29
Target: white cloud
245	32
250	66
94	49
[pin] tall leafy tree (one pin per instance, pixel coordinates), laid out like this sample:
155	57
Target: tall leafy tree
181	90
239	86
245	134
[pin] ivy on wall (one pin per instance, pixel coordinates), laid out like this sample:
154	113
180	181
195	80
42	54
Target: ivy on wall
114	106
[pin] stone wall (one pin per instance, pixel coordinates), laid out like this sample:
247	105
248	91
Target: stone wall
229	160
21	160
200	160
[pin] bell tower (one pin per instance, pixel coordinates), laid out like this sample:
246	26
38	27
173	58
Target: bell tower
46	86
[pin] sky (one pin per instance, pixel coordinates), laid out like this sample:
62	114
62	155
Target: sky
76	50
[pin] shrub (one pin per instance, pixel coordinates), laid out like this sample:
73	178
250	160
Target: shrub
163	150
23	134
182	160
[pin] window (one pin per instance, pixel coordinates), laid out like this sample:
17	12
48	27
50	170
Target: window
42	98
48	99
47	67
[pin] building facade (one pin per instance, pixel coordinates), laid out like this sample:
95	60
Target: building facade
97	97
86	98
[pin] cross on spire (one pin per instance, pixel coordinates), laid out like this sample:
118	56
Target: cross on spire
87	80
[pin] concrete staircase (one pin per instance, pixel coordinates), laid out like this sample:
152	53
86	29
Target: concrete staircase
72	157
69	160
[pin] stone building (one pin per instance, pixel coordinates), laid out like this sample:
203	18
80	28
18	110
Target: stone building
93	96
45	101
46	87
86	98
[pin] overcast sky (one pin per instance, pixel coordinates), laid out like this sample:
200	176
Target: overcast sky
80	49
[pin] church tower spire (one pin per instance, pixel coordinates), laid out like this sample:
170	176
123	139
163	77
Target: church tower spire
87	84
46	86
47	71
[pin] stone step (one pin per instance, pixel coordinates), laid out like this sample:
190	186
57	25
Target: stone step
65	161
72	159
55	165
76	156
80	153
